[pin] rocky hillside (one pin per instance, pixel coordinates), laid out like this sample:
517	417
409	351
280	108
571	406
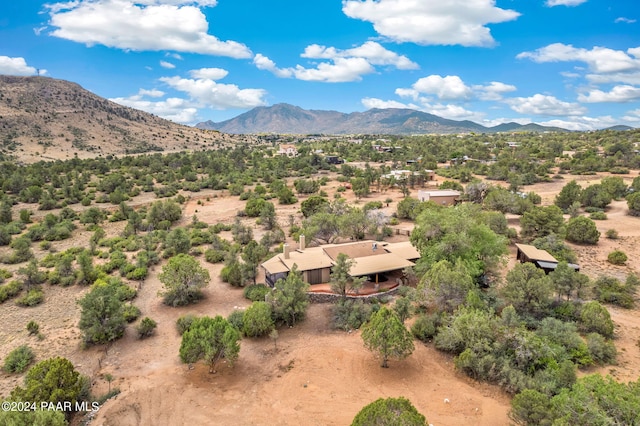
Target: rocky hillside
284	118
46	119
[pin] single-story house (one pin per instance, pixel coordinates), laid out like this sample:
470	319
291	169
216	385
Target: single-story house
441	197
541	258
288	149
371	258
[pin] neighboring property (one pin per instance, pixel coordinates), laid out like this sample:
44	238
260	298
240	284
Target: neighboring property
541	258
429	175
418	178
333	159
441	197
288	149
371	259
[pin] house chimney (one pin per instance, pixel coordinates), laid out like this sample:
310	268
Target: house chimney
303	242
285	250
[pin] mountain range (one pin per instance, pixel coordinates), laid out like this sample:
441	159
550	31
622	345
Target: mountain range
290	119
43	118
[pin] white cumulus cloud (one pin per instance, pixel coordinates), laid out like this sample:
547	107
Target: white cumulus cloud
452	87
340	71
622	93
552	3
342	66
582	123
174	109
545	105
141	25
168	65
373	52
211	94
493	91
371	103
618	77
202	92
17	66
153	93
209	73
264	63
449	87
449	111
449	22
632	116
599	59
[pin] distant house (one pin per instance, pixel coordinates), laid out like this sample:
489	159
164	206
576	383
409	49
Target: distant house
333	159
541	258
371	259
429	175
398	174
441	197
288	149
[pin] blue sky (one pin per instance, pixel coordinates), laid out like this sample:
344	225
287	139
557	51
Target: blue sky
570	63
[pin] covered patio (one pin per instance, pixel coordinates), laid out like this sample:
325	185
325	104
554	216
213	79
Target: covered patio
394	279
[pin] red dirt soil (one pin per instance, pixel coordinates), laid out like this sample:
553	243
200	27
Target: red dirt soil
312	375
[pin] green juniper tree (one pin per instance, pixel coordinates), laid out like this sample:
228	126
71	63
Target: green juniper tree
210	339
387	336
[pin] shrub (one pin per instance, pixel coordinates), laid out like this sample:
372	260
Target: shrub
131	313
256	292
236	319
611	290
232	274
350	314
214	256
184	322
33	327
612	234
10	290
617	257
32	298
425	327
602	351
146	327
257	320
582	230
390	411
272	237
596	318
633	202
183	279
4	274
18	359
598	216
137	274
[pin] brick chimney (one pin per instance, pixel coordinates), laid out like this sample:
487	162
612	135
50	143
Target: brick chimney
303	243
285	251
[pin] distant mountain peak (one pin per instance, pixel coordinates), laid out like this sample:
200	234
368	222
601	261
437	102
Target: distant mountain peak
290	119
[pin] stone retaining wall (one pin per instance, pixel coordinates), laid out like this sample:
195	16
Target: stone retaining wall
330	297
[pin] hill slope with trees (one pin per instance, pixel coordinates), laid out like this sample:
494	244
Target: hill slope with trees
45	118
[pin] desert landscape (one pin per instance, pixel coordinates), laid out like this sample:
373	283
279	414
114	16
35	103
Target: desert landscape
311	374
356	212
